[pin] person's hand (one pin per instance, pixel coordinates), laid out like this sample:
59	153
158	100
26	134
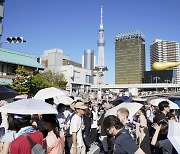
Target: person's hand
82	127
134	122
156	126
74	150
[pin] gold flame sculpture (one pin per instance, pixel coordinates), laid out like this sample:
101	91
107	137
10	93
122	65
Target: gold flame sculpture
164	65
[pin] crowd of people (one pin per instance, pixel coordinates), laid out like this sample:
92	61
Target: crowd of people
83	124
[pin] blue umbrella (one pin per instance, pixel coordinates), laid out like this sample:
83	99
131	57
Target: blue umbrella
121	99
6	93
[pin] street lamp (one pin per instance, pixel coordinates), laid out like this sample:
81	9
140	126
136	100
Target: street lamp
100	73
167	81
156	78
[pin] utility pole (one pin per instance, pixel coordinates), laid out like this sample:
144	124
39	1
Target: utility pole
156	78
167	81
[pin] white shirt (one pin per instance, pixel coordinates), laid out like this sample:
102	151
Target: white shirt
94	120
75	126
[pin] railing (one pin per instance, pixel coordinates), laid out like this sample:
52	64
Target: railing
7	76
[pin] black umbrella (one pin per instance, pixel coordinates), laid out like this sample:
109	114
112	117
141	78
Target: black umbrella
6	93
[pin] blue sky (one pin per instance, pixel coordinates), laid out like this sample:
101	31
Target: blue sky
72	25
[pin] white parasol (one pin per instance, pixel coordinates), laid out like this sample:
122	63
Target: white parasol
132	107
51	92
28	106
66	100
156	102
174	134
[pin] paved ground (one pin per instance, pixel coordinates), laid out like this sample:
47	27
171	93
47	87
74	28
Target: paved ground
94	150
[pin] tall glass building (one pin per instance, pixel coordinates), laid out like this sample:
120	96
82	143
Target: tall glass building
1	16
129	57
166	51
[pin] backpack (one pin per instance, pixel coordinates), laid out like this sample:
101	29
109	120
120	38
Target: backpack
35	147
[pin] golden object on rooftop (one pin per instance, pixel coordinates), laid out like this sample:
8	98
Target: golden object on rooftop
164	65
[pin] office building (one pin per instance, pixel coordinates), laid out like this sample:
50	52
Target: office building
78	78
165	51
129	57
1	16
88	59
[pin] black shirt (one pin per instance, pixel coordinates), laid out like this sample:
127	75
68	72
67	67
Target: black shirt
159	117
124	144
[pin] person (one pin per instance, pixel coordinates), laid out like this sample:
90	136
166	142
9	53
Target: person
76	126
94	126
124	144
61	117
87	129
123	114
9	136
55	139
103	135
34	121
164	109
21	144
164	144
143	132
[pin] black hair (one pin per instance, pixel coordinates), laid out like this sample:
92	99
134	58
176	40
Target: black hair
143	110
60	106
51	118
111	121
162	105
164	126
11	124
21	122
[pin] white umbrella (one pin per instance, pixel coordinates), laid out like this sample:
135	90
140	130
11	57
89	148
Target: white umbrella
174	134
28	106
132	107
51	92
63	99
156	102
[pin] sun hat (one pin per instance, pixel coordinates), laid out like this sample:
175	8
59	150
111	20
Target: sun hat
80	105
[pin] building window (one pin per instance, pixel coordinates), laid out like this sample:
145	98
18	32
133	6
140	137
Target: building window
76	74
88	79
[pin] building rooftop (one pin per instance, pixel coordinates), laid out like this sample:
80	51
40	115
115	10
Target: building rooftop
19	58
129	35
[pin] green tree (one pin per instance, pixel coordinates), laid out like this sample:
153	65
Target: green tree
58	80
38	82
22	81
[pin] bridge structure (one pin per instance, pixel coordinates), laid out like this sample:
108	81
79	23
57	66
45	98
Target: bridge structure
139	86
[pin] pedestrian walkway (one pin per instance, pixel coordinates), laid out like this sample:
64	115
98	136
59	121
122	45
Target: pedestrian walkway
94	150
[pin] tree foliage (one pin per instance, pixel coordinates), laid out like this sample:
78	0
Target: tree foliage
22	81
27	83
57	79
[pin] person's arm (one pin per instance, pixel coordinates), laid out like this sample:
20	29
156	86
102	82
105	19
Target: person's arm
139	151
155	136
74	138
5	149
